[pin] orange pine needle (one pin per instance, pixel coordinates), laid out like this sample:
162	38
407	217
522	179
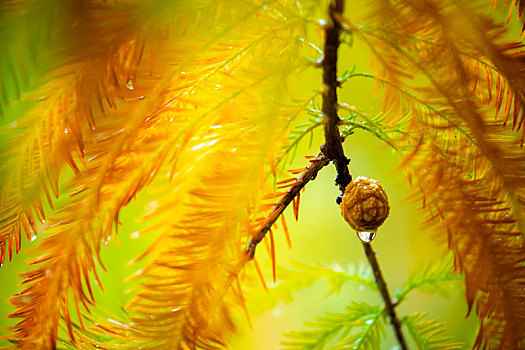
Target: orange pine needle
115	237
79	315
512	5
489	83
266	206
291	179
10	245
146	252
295	206
274	195
508	105
286	232
256	264
272	241
297	171
259	219
67	319
286	185
476	76
412	154
267	246
516	110
2	255
522	136
273	166
498	99
520	123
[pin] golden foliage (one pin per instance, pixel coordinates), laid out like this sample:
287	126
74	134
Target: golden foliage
199	103
51	134
195	97
468	168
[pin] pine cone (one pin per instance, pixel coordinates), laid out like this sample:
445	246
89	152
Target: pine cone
365	205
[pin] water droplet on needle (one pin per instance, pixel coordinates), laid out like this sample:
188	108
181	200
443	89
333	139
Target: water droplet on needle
366	237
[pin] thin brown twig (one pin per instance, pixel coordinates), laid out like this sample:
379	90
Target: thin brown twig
383	289
333	147
332	150
309	174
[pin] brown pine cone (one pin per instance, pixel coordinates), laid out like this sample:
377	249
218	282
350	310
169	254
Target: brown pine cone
365	205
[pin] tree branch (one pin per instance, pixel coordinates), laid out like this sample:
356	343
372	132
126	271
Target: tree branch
333	147
309	174
383	289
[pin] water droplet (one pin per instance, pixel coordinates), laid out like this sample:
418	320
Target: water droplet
366	236
106	243
33	237
65	131
369	322
130	84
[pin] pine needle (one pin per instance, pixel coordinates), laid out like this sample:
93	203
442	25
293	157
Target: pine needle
286	232
359	327
427	334
272	249
433	276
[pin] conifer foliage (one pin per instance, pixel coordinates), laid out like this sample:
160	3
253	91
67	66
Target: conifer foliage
362	325
194	98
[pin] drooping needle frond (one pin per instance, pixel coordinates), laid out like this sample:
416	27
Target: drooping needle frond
209	117
88	81
468	168
159	107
